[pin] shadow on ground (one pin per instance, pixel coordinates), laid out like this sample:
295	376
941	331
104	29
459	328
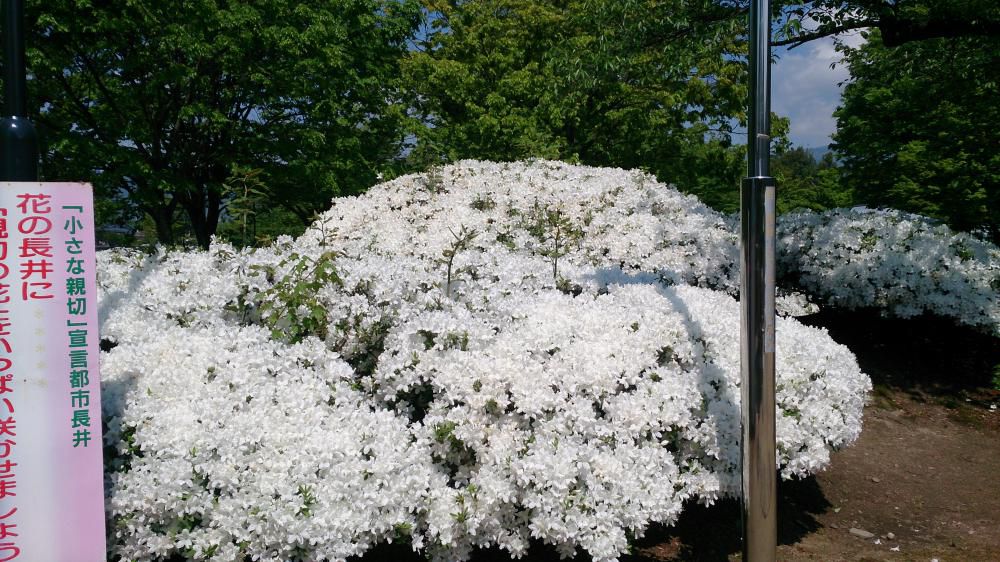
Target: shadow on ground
704	534
927	355
714	533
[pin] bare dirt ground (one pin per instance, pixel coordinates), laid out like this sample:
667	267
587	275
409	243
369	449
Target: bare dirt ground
922	482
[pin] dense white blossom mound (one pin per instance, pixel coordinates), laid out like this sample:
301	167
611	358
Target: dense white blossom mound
479	356
901	263
233	445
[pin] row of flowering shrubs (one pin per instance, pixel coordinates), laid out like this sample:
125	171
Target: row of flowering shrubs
903	264
475	357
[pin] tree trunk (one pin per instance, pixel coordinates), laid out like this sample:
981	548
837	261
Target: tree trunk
163	218
203	207
212	212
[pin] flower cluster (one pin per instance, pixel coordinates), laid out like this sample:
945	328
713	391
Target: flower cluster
567	372
230	445
901	263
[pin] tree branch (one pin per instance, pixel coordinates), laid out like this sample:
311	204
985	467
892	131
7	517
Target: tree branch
820	33
83	111
897	31
95	74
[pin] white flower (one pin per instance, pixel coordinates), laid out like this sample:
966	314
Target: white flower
508	405
901	263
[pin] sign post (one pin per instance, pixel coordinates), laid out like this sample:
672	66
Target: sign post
757	278
51	465
51	461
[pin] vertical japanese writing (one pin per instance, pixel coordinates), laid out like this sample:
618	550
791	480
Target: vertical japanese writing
77	328
9	548
35	251
51	500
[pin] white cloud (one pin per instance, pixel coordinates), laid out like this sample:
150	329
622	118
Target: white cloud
806	88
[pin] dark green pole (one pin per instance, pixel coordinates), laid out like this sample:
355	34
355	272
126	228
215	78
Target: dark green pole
18	140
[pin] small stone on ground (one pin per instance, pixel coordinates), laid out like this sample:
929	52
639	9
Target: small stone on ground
861	533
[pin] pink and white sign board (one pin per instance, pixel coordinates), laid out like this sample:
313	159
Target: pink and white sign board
51	469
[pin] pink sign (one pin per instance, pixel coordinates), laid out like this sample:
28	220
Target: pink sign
51	469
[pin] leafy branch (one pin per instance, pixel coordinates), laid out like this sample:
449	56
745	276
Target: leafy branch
463	238
291	308
245	189
552	227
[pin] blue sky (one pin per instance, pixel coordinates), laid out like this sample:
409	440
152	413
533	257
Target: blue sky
805	88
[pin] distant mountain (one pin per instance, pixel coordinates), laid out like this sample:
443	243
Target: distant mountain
818	151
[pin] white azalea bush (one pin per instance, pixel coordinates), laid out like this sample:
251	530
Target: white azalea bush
480	356
901	263
231	445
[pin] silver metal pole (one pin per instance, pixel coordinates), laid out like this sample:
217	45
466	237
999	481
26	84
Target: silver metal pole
760	530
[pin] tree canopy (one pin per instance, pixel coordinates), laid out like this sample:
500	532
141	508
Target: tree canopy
898	21
917	129
630	83
804	183
159	104
201	112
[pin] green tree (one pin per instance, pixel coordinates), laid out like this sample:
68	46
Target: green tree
156	103
630	83
898	21
917	129
804	183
